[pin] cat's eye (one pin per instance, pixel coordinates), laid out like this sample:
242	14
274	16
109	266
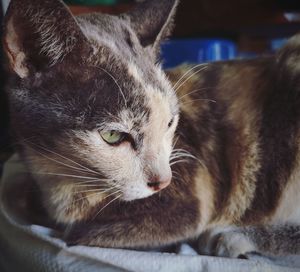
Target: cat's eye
112	137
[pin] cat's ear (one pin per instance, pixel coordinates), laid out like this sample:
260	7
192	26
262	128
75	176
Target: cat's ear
39	33
152	20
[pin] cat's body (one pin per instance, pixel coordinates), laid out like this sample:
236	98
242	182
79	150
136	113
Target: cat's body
235	157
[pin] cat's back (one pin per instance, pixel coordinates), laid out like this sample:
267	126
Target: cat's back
246	112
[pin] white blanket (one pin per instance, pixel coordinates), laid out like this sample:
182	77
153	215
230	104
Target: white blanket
27	247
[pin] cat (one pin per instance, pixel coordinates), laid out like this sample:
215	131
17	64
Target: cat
126	155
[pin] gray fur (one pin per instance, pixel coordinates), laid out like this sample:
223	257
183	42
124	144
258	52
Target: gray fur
271	240
71	77
67	84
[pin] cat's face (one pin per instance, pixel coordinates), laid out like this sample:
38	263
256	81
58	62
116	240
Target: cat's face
94	113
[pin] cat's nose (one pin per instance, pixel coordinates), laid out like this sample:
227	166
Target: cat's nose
158	183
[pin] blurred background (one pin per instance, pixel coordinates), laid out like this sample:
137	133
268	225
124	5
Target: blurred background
206	30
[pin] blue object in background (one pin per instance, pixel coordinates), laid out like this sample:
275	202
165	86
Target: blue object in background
175	52
277	44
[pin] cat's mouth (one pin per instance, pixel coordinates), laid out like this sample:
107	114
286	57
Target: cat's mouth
144	190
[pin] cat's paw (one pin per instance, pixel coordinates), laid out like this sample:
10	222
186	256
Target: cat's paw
233	244
225	243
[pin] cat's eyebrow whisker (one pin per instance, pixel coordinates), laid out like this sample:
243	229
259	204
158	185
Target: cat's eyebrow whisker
187	72
194	73
116	82
82	167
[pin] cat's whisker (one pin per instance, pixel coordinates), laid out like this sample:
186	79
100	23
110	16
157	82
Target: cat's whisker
68	167
65	175
110	202
116	82
87	180
100	186
194	73
194	91
23	140
91	182
175	172
58	162
175	162
91	186
95	194
88	184
187	72
82	167
99	179
105	197
105	182
180	152
88	193
176	176
180	149
93	190
181	155
175	142
6	146
199	99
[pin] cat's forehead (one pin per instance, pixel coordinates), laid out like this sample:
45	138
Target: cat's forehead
118	81
111	37
92	96
137	79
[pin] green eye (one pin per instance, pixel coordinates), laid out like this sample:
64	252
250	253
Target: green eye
112	137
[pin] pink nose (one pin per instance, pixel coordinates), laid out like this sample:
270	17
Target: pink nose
156	184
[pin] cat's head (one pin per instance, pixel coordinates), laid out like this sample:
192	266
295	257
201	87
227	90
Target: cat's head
93	113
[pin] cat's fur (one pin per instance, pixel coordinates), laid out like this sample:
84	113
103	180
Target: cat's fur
235	162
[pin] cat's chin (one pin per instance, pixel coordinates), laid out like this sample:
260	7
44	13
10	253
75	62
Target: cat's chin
135	196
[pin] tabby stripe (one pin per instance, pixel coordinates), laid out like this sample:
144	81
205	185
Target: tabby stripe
278	134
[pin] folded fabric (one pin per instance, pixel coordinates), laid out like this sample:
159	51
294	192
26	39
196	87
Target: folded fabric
25	246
